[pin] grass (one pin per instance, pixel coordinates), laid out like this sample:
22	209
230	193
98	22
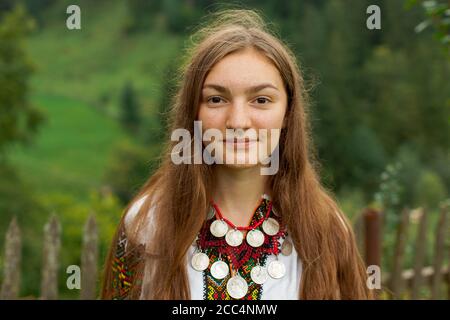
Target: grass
93	64
71	152
77	82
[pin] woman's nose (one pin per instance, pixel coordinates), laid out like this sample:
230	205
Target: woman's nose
238	116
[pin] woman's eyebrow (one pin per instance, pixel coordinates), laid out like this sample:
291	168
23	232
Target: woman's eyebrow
217	87
252	89
260	87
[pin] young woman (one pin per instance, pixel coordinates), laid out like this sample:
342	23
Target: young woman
224	230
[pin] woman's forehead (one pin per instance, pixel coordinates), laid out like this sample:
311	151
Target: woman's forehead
245	68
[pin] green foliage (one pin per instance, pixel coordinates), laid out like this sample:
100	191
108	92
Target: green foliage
73	215
130	110
91	66
158	130
351	202
37	8
408	176
129	167
439	160
19	120
389	200
366	155
15	194
437	17
429	190
72	149
174	16
421	185
179	15
17	200
407	184
389	194
141	15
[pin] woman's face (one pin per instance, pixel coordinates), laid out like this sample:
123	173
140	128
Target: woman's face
243	91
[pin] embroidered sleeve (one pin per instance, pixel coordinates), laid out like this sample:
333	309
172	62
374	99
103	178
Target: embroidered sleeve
126	269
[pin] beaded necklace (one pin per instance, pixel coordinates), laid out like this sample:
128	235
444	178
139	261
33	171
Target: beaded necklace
234	268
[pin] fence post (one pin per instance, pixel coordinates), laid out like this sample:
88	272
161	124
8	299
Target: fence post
419	255
439	251
372	224
447	278
372	243
13	253
89	259
50	264
396	280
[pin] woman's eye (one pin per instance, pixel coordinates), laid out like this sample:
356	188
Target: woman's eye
262	100
215	99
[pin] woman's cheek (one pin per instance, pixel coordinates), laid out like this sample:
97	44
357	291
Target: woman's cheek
214	122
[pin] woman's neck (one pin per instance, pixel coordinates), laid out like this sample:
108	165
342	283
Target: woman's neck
238	192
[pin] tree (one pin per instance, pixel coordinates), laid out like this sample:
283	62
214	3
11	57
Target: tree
140	15
130	110
130	166
437	16
19	120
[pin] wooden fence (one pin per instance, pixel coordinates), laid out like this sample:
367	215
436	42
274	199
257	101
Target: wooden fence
398	283
50	261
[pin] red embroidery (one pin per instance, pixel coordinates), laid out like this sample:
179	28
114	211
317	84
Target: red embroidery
242	258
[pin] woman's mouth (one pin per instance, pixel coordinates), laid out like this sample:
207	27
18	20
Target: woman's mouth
240	143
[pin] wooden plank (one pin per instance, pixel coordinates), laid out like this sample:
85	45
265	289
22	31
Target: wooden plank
407	275
439	252
13	255
89	259
372	243
426	273
372	228
420	255
50	264
448	276
396	281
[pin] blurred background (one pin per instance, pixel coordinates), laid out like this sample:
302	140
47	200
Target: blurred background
82	120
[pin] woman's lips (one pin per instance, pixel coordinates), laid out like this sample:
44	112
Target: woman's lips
240	143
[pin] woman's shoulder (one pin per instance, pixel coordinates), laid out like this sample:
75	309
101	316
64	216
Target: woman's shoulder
133	210
132	213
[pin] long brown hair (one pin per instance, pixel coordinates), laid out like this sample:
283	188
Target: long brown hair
322	236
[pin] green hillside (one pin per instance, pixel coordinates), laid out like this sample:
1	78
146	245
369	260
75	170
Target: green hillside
79	76
70	152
